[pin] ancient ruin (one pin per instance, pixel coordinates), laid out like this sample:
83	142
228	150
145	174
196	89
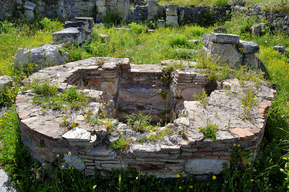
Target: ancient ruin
118	87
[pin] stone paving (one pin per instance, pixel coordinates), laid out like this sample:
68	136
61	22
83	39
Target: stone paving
132	87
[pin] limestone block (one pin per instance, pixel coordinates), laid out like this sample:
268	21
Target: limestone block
29	5
89	20
204	166
100	3
5	81
227	53
146	147
77	134
111	2
206	39
110	88
224	38
76	24
280	49
74	161
19	2
171	12
256	29
220	30
172	21
251	61
114	136
29	14
161	23
122	8
42	56
248	47
69	35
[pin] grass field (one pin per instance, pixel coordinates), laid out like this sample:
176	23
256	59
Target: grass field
268	173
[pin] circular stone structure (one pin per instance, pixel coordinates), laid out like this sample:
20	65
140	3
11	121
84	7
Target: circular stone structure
130	89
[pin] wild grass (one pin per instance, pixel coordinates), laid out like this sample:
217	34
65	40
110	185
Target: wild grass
143	48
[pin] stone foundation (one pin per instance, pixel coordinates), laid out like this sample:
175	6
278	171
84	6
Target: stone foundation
135	88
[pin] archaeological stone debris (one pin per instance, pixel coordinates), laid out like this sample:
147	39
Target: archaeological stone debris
119	88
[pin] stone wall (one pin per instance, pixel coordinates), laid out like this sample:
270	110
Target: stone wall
6	8
109	80
277	21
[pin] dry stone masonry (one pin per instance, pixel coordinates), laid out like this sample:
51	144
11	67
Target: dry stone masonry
115	84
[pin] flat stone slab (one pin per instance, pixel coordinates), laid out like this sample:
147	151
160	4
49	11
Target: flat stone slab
224	38
248	47
77	134
72	35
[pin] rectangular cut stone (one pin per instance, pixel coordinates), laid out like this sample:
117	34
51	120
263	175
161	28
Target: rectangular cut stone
204	166
248	47
224	38
101	151
190	150
159	155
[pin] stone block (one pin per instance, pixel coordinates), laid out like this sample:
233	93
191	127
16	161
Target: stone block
280	49
77	24
77	134
172	21
29	15
69	35
74	161
29	6
227	53
5	81
224	38
247	47
206	39
42	56
100	3
204	166
161	23
220	30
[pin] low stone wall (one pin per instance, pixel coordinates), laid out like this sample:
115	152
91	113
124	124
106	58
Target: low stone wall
6	8
184	151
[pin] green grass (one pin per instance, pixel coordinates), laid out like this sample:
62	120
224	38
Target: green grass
143	48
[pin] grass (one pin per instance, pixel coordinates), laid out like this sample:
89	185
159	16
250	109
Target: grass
269	172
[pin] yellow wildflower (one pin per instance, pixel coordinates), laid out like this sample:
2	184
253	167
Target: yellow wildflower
191	186
214	177
252	180
178	175
242	105
151	131
180	187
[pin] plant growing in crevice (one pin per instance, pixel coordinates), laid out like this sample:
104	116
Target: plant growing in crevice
209	131
163	93
139	122
202	98
248	100
120	144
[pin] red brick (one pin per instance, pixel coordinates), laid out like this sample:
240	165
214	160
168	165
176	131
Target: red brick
225	157
23	114
212	157
255	130
269	103
243	134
